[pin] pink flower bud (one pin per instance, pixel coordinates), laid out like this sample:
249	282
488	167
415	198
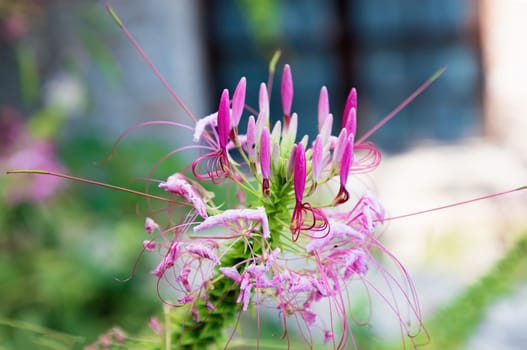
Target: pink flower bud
345	165
347	160
224	123
289	134
300	172
339	148
251	139
238	103
287	92
351	122
263	103
265	159
325	130
351	102
323	106
291	163
316	159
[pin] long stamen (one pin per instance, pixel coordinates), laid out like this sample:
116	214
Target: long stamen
91	182
149	62
403	104
477	199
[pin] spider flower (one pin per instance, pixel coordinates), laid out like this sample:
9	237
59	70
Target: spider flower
284	244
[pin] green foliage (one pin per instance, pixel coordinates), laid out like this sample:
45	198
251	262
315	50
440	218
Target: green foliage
451	327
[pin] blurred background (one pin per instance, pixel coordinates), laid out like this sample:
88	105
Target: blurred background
70	83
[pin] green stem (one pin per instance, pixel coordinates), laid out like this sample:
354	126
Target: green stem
209	331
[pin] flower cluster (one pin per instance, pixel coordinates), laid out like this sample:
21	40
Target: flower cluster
297	235
19	148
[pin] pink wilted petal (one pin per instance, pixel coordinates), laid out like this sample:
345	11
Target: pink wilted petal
168	260
355	263
231	273
155	325
300	284
201	124
150	225
309	317
149	245
238	103
186	299
300	172
224	122
328	336
235	215
203	251
245	291
323	106
287	91
178	184
351	102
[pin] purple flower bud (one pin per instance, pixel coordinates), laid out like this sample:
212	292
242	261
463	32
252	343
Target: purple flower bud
323	106
287	92
224	123
238	102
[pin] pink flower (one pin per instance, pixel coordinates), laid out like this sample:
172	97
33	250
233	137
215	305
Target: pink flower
216	163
